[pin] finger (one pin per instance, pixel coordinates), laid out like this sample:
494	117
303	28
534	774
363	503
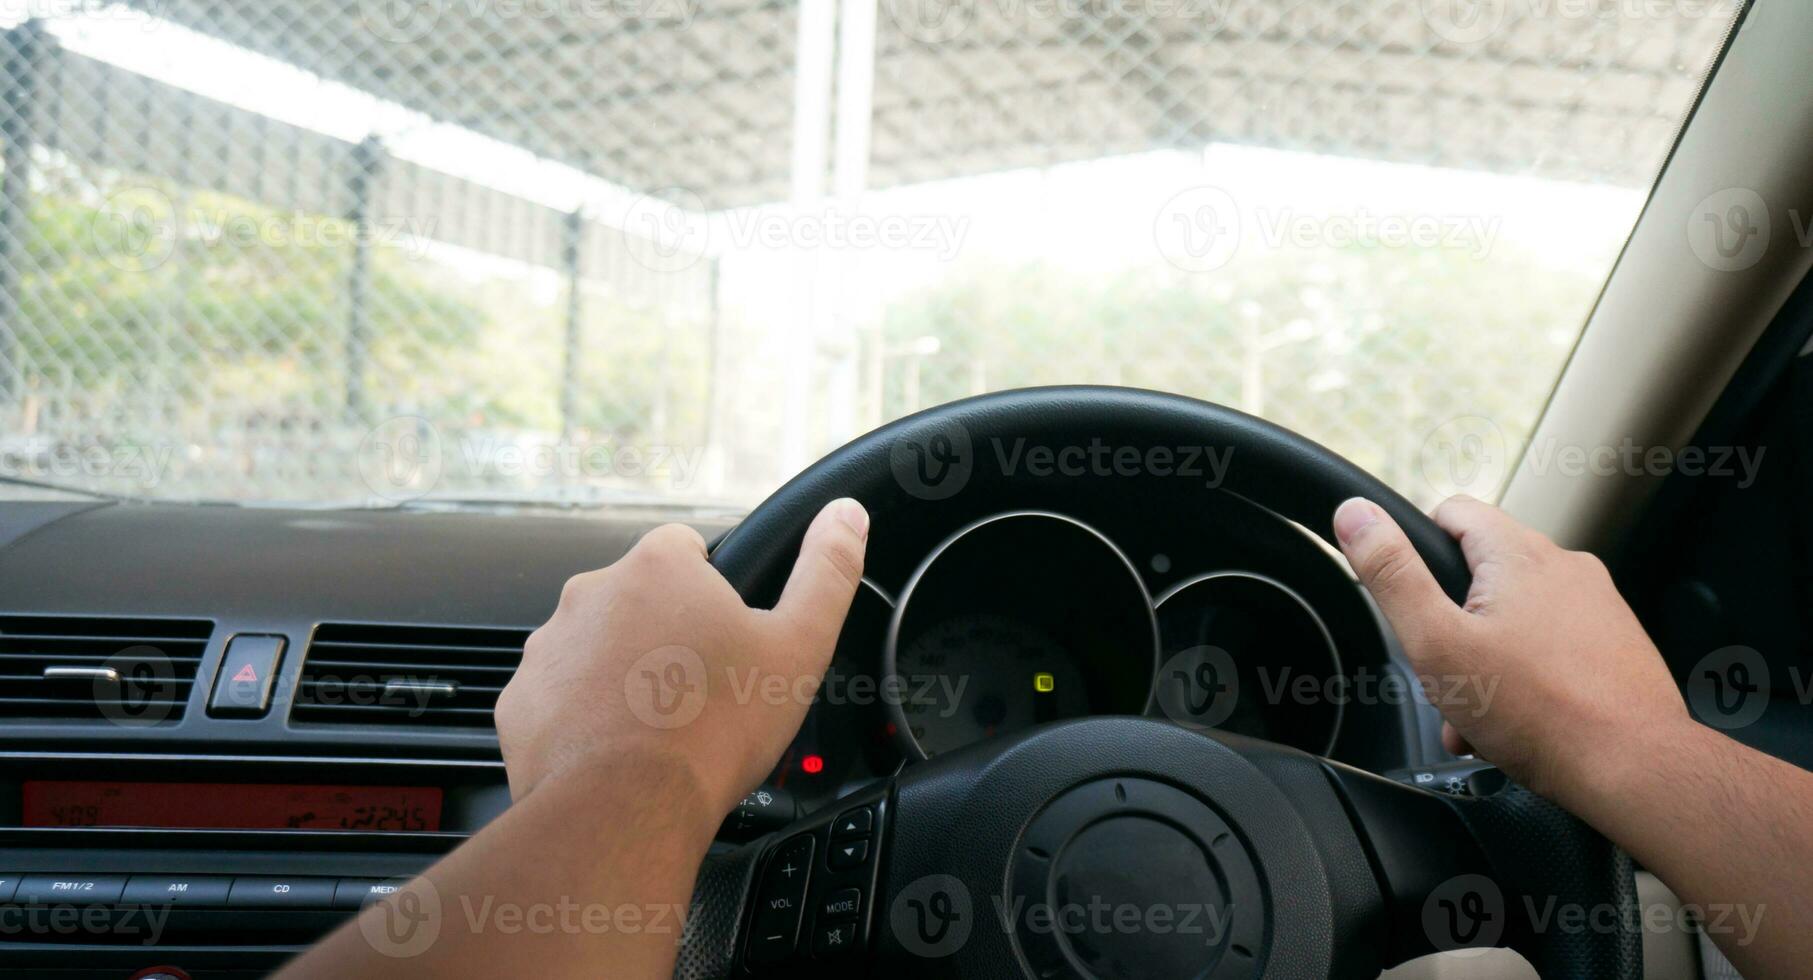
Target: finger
675	538
825	577
1394	573
1454	741
1484	532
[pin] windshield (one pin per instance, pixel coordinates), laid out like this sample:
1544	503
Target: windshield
670	252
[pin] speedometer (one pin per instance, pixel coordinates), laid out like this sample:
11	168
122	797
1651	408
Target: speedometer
977	676
1017	620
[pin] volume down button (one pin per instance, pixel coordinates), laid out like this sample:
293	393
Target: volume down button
780	903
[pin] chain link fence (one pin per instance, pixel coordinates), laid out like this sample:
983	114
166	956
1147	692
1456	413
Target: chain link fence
653	251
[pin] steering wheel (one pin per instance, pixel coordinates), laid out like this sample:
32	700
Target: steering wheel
1127	847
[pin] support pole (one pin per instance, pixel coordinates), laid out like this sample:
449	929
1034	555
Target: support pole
26	47
845	414
714	340
815	60
855	99
573	234
366	160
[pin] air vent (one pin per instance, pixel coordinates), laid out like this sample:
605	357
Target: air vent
427	676
134	672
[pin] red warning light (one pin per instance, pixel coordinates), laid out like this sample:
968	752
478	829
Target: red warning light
813	764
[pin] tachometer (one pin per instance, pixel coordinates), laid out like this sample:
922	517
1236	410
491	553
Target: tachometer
1244	653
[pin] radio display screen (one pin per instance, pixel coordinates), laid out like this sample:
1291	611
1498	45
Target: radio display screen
229	806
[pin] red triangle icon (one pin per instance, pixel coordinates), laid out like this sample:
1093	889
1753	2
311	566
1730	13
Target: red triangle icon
246	673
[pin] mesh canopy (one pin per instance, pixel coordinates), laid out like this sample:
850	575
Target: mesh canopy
664	250
675	93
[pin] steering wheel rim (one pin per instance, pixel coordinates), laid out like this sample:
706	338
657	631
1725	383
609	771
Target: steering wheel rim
1372	856
1293	476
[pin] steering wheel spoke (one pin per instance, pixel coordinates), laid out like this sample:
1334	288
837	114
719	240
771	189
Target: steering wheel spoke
796	902
1489	863
1131	847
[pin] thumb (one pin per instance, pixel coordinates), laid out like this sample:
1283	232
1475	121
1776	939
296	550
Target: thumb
824	579
1395	574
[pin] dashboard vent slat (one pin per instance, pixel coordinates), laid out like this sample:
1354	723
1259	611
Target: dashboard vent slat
51	668
426	677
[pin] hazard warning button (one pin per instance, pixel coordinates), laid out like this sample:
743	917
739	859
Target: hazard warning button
242	686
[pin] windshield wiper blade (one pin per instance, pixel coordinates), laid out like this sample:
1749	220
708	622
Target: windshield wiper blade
598	498
25	481
9	480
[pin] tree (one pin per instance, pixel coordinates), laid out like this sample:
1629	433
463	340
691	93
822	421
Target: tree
1369	350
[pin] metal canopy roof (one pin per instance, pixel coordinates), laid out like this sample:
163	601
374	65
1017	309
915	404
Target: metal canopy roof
703	99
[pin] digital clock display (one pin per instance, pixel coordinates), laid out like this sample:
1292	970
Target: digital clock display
229	806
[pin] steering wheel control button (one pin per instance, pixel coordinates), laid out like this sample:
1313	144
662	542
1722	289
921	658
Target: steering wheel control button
1467	777
847	854
854	823
834	939
767	809
69	889
192	891
1144	880
282	893
248	671
780	904
842	905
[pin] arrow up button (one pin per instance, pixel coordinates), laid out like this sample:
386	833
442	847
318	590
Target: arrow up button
854	823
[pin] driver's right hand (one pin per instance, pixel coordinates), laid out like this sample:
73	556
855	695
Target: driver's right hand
1544	671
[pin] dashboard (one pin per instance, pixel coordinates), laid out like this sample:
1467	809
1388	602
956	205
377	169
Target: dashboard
258	717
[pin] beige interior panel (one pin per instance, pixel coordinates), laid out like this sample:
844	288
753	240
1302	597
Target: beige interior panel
1471	964
1683	307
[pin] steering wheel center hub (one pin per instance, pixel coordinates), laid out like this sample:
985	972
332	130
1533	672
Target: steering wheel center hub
1126	877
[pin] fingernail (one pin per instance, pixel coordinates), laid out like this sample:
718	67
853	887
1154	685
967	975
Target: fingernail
852	514
1353	516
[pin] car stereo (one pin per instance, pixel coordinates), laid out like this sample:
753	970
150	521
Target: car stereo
228	864
228	806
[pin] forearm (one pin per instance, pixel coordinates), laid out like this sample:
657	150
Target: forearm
590	873
1589	715
1728	828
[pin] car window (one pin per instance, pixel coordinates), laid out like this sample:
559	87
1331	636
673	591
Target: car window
668	251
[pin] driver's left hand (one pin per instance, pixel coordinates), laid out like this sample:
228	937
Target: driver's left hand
658	656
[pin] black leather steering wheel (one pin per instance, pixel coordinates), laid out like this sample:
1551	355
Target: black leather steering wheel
1125	846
